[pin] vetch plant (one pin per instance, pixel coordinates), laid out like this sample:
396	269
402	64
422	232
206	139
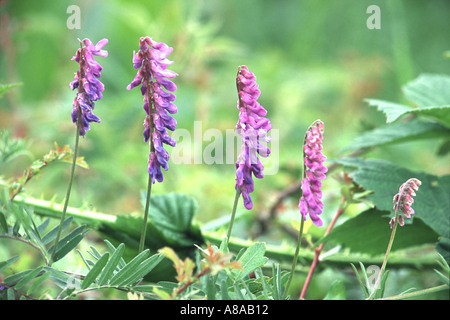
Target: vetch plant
188	259
402	203
253	127
89	89
312	176
151	62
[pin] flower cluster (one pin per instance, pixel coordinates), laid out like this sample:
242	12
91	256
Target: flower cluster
151	61
404	199
86	81
253	127
314	172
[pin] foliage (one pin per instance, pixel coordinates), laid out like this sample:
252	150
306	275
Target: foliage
187	256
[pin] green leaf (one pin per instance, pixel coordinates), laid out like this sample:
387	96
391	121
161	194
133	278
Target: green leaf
68	243
95	271
38	283
251	259
369	233
429	90
51	235
111	265
126	271
6	87
398	132
431	204
142	270
30	276
7	263
336	291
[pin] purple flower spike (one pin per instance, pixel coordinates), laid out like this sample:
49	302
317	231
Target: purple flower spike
253	128
314	172
151	62
86	81
404	199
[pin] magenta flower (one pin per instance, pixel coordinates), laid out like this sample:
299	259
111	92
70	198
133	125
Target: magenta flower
151	61
313	172
253	128
404	199
86	81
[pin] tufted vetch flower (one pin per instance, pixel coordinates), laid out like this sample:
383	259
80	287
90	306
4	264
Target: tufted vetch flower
253	127
157	88
86	81
403	200
313	173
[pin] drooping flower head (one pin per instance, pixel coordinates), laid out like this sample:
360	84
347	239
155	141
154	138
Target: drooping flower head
253	127
86	81
404	199
313	173
151	61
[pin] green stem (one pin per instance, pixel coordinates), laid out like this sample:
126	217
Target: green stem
233	213
294	261
69	188
417	293
388	250
147	206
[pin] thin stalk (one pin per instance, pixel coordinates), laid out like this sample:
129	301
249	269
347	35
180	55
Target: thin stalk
388	250
69	188
341	209
233	213
294	261
417	293
147	207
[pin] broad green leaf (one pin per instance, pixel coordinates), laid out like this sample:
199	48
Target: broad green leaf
251	259
431	204
95	271
369	233
392	110
428	90
398	132
111	265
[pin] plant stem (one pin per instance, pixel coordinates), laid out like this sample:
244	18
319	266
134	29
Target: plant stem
233	213
388	250
341	209
69	188
147	207
297	250
416	293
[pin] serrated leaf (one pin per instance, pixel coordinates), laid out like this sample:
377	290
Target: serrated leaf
95	271
398	132
111	265
251	259
428	90
431	204
369	233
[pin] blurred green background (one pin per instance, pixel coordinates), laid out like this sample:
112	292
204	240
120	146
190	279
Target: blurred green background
312	59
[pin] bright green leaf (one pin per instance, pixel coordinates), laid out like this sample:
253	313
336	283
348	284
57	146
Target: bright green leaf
95	271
